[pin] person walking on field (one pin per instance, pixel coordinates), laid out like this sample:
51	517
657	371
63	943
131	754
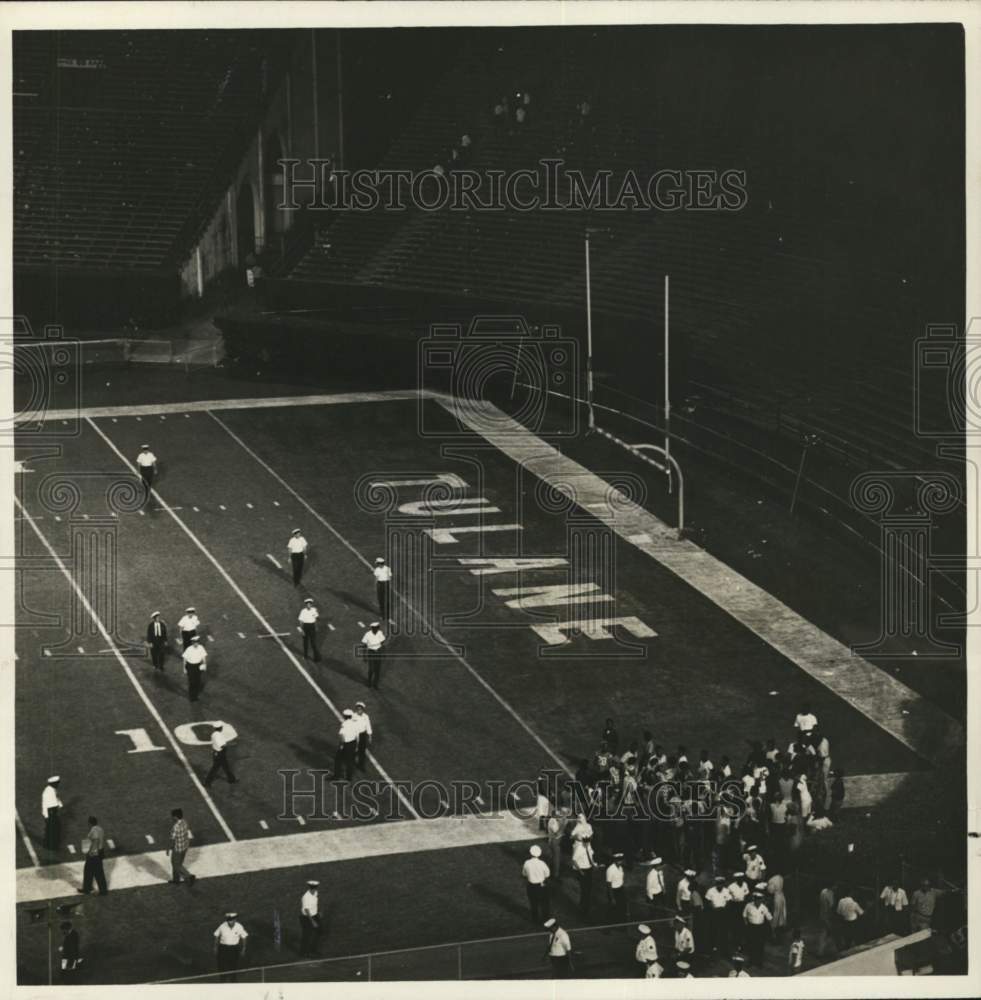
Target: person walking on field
297	547
156	640
94	849
180	841
383	587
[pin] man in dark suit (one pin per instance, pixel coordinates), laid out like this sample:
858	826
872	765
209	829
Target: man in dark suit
156	640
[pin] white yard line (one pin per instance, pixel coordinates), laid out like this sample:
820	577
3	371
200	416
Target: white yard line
274	560
436	635
226	829
28	846
304	673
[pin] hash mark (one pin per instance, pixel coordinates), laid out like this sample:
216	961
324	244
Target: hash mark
361	624
249	506
111	843
301	821
71	848
81	649
222	506
241	635
47	652
263	824
275	503
331	627
149	837
197	510
274	560
142	513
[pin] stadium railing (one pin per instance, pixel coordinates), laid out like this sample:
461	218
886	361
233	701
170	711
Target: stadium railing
602	951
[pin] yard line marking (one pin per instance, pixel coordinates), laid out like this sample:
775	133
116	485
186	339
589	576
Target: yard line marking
882	699
203	405
411	608
28	846
316	846
149	838
274	560
107	638
304	673
263	824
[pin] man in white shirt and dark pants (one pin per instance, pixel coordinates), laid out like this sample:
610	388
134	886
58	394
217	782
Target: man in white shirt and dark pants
347	746
558	949
614	887
310	919
146	463
195	664
362	722
297	546
230	938
51	811
308	622
373	640
536	874
189	624
383	585
219	755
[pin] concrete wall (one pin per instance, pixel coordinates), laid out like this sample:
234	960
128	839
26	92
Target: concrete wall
303	120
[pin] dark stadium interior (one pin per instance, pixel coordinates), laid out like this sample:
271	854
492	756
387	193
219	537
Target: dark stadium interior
148	225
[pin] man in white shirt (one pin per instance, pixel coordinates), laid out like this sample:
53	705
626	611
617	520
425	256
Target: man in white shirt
806	721
308	622
895	902
717	899
849	911
383	584
297	547
347	745
536	874
230	938
684	940
310	919
756	916
646	950
655	883
755	865
682	893
189	624
558	949
362	722
146	463
195	664
372	641
51	811
614	887
219	755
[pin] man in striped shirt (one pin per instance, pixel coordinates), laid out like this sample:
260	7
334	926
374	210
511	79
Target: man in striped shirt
180	841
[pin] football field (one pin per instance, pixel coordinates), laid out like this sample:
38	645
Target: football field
530	605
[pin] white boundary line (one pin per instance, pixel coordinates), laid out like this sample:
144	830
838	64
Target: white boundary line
226	829
255	611
436	635
22	830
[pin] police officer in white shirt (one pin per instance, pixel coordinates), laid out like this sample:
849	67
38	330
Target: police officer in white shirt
558	949
347	746
308	622
755	865
146	463
756	916
310	919
383	584
219	755
230	938
372	641
614	887
189	624
682	894
195	664
536	875
717	899
654	887
684	940
51	811
739	892
362	722
646	950
297	546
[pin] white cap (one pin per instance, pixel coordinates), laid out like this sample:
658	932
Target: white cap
359	704
308	600
379	560
188	610
644	929
657	861
550	922
375	624
313	883
296	531
535	851
144	446
54	779
690	872
231	915
347	713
